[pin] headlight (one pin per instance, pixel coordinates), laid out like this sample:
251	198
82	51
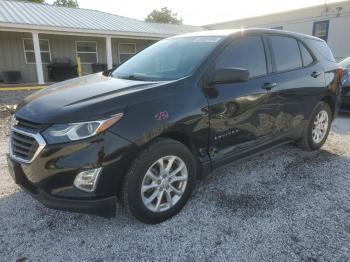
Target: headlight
62	133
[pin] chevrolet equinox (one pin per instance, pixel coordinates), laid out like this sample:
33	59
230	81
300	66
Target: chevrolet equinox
184	106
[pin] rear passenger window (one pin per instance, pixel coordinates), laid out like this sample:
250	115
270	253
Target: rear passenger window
305	54
285	52
247	53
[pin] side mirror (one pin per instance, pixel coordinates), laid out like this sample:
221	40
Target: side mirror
229	75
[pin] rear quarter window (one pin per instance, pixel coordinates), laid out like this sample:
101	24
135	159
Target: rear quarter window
305	54
322	48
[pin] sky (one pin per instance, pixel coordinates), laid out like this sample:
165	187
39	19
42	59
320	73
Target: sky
195	12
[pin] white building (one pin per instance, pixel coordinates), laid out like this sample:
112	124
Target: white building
34	36
330	22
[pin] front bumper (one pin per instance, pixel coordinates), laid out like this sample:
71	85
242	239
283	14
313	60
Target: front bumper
49	177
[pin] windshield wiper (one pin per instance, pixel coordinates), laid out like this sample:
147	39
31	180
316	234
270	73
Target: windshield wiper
138	77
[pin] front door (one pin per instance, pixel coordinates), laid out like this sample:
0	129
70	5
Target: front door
242	115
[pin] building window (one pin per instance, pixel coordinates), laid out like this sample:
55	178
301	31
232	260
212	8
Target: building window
277	27
320	30
87	51
126	50
29	54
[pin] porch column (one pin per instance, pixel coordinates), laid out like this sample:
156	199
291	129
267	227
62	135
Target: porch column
38	63
109	52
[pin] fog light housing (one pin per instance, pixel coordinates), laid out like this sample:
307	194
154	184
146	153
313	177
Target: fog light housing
87	179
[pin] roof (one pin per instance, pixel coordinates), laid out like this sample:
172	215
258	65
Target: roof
223	32
230	32
18	14
280	13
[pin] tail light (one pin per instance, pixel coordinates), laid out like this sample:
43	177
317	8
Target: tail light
340	73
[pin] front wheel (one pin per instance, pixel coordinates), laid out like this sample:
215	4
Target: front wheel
159	181
317	130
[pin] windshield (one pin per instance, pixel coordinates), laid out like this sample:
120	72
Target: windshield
169	59
345	63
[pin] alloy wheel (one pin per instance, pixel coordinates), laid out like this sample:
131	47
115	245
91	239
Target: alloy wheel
320	127
164	183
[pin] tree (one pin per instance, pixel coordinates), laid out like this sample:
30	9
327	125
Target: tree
36	1
165	15
67	3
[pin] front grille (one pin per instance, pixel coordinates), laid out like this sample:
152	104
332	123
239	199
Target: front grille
29	126
23	146
25	141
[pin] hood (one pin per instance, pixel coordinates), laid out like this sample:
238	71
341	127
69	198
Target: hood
80	99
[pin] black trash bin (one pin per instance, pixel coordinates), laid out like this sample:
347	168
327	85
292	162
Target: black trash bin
62	69
98	68
11	77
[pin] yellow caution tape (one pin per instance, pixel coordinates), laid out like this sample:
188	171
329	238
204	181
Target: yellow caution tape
21	88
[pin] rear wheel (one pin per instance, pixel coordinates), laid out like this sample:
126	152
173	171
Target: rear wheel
159	181
317	130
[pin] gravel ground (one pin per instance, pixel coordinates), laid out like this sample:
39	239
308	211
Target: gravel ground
8	104
284	205
13	97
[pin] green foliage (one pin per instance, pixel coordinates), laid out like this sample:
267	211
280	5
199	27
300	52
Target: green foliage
36	1
165	15
67	3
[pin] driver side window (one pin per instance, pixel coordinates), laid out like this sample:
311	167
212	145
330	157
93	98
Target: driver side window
248	53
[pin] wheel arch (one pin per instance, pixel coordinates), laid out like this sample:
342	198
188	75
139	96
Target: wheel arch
330	101
183	138
202	168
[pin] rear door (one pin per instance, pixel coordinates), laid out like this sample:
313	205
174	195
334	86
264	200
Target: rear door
298	77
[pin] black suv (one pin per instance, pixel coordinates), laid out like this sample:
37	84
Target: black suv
345	107
172	113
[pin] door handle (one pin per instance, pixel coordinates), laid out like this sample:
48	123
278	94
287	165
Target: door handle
268	86
315	74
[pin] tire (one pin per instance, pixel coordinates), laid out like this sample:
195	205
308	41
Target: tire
308	141
148	161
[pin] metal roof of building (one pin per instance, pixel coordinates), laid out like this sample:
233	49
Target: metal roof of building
43	16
